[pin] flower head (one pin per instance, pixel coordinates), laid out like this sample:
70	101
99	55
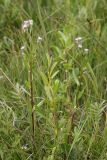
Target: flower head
25	146
26	24
86	50
39	39
78	42
79	45
22	49
78	39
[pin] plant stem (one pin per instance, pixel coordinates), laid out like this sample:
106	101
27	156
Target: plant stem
32	100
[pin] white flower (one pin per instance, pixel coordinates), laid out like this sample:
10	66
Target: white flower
39	39
22	49
26	24
25	146
86	50
78	39
78	42
79	45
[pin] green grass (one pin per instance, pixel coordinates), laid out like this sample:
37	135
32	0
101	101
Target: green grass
53	95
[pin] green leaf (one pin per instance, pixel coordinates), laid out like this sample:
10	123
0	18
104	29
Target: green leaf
53	67
44	78
75	77
54	75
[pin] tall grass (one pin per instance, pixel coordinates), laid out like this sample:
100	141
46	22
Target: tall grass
53	86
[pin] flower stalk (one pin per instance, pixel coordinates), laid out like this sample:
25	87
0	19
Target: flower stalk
32	100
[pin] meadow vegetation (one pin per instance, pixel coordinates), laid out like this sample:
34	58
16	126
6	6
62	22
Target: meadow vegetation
53	80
